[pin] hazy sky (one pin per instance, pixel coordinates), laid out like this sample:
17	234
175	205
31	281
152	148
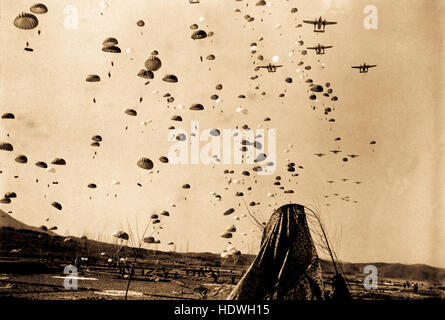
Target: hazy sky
399	215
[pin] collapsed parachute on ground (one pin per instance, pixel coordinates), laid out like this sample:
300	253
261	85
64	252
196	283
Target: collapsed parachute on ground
39	8
287	266
145	163
26	21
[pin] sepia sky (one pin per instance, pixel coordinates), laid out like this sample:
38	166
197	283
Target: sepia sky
399	214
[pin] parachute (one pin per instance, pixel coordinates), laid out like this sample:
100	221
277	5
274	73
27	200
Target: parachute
140	23
199	34
59	161
287	266
163	159
131	112
146	74
210	57
261	3
8	116
149	240
21	159
92	186
108	42
228	212
97	138
26	21
165	213
154	216
120	235
186	186
57	205
41	164
317	88
5	200
6	146
145	163
226	235
231	229
176	118
170	78
197	107
111	49
95	144
153	63
39	8
92	78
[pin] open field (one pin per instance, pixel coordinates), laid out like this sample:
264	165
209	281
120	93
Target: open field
32	266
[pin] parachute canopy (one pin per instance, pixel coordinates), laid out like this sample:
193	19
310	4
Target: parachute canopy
39	8
153	63
21	159
197	107
145	163
287	266
199	34
26	21
6	146
92	78
121	235
59	161
110	42
8	116
170	78
146	74
57	205
41	164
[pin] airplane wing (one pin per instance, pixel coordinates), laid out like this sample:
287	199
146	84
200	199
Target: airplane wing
327	47
278	66
328	22
312	48
309	21
372	66
356	67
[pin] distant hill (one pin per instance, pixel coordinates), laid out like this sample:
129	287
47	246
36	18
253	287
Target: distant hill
9	222
34	242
